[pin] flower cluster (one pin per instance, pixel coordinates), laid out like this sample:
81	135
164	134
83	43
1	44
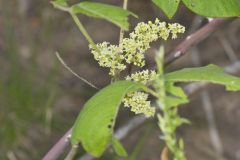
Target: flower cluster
139	104
143	77
108	55
131	50
138	100
175	28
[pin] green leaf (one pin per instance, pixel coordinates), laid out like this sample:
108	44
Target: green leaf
210	73
169	7
59	3
176	95
174	101
214	8
118	147
94	125
174	90
113	14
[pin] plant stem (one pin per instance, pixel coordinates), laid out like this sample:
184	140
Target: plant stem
83	30
152	92
71	153
75	74
121	35
58	148
125	4
194	39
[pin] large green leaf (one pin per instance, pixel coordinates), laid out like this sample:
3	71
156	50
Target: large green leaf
94	125
169	7
110	13
210	73
214	8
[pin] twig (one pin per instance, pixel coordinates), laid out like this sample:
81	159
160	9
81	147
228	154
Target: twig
164	154
83	30
71	153
212	125
74	73
233	68
227	47
194	39
121	36
58	148
125	4
11	155
208	109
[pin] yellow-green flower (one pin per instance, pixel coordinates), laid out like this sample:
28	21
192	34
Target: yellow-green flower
131	50
143	77
108	55
139	103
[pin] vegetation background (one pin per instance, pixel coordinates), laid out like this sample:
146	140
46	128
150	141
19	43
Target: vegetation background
39	99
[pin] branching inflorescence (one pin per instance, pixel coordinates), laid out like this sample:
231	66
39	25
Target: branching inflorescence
131	51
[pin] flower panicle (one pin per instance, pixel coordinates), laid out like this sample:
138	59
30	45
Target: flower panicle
143	77
131	50
139	103
138	100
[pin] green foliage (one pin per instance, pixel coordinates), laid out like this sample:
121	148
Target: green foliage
94	125
59	3
172	96
207	8
118	147
169	97
113	14
213	8
176	95
169	7
210	73
116	15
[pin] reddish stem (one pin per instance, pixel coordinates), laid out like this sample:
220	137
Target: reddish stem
58	148
194	39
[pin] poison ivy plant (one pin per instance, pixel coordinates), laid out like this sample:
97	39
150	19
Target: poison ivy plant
94	125
207	8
